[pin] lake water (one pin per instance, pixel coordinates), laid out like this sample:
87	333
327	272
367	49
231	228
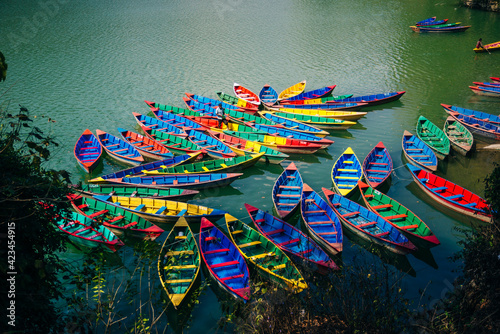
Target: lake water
91	64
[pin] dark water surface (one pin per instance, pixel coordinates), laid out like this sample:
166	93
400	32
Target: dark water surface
90	64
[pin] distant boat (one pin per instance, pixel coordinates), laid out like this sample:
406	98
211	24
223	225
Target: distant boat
478	127
495	79
488	47
88	151
338	114
313	94
418	153
487	84
346	172
479	115
486	91
292	90
448	27
317	121
268	95
431	22
377	166
460	137
286	191
119	149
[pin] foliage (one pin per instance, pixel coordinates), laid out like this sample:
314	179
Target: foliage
488	5
3	68
24	183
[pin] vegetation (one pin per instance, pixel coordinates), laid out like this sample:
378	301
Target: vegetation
488	5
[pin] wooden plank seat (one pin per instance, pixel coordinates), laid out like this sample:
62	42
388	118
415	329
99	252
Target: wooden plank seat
260	256
439	189
288	195
253	243
224	264
382	234
350	214
382	206
306	251
469	205
275	231
408	227
120	150
288	242
347	177
454	197
89	148
376	170
115	219
347	170
287	204
320	223
187	266
215	251
290	187
231	277
396	216
278	267
182	252
98	213
328	233
369	224
315	211
130	225
172	281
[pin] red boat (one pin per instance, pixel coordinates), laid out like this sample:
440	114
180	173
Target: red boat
246	94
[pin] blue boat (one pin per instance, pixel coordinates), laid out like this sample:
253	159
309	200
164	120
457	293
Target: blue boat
215	148
155	124
478	127
177	121
268	95
322	106
321	221
479	115
224	261
119	149
346	172
312	94
88	151
373	99
139	170
286	191
210	103
292	134
431	22
295	243
418	153
369	225
377	166
294	125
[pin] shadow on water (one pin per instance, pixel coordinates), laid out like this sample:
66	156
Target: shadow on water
345	134
425	255
217	192
358	126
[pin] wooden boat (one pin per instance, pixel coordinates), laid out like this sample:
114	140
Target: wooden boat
177	120
210	166
214	147
292	91
162	212
271	262
249	119
246	94
477	127
487	84
431	22
448	27
322	106
292	134
291	240
495	79
121	222
242	146
88	151
205	104
119	149
486	91
191	181
373	99
146	122
418	153
343	115
286	191
268	95
313	94
346	172
179	262
317	121
451	195
175	144
224	261
321	100
368	225
172	109
89	190
146	146
408	223
294	125
434	137
212	124
479	115
84	231
489	47
236	101
284	145
139	170
321	221
460	137
377	166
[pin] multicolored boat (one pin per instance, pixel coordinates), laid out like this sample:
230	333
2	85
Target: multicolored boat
317	121
477	127
286	191
487	84
489	47
88	151
446	27
418	153
268	95
406	221
434	137
451	195
224	261
121	222
313	94
271	262
294	125
479	115
368	225
146	146
316	107
146	122
175	144
321	100
292	134
338	114
460	137
214	147
372	99
377	166
431	22
177	120
89	190
236	101
292	91
321	221
119	149
179	263
346	172
84	231
246	94
291	240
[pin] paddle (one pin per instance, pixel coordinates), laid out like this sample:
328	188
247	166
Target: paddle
487	50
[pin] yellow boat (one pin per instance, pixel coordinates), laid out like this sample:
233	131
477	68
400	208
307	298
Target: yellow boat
345	115
292	91
488	47
179	262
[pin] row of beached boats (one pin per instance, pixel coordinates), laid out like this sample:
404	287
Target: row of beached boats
433	25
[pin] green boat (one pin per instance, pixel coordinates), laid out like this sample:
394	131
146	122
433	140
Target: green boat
172	109
89	190
236	101
179	262
434	137
270	261
121	222
460	137
318	121
398	216
225	165
176	145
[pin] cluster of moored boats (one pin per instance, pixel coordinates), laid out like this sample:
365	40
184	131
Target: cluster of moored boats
433	25
487	88
192	150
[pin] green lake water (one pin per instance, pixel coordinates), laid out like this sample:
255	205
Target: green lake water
90	64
